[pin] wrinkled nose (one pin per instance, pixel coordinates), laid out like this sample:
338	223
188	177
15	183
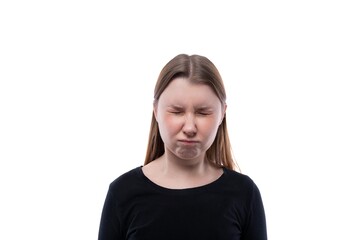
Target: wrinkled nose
189	127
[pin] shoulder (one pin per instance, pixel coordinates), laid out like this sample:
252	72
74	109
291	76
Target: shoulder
125	181
237	178
126	177
240	183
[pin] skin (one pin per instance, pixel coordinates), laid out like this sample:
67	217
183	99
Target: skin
188	116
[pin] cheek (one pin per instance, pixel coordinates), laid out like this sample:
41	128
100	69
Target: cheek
169	124
208	127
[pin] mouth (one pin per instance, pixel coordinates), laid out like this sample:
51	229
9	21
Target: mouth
188	142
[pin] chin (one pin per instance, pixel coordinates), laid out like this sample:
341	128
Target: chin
188	154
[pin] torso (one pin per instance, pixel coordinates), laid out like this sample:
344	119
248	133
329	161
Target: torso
228	208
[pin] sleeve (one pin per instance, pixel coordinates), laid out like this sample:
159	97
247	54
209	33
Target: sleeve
109	223
256	221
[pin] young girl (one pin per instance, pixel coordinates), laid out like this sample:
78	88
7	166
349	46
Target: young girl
188	187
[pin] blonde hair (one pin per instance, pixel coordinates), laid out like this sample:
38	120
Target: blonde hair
199	70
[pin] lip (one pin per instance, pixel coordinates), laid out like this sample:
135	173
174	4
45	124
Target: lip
184	141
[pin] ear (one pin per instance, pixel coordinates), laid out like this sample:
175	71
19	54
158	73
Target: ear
224	107
155	109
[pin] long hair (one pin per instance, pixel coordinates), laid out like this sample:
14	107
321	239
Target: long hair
199	70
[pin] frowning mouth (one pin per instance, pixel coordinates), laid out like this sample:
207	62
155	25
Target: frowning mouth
188	142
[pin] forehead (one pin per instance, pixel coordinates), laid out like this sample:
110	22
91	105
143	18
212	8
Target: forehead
182	91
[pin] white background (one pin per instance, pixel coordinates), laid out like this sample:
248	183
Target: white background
76	82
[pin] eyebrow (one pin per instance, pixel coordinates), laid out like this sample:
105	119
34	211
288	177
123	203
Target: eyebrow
177	107
200	108
204	108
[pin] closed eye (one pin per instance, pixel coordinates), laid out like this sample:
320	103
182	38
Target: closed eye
204	113
175	112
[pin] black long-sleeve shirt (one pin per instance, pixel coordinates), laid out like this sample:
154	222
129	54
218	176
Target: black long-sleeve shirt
229	208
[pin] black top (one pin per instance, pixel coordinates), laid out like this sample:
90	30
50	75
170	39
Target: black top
229	208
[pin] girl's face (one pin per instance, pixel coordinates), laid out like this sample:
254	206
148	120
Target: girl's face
188	116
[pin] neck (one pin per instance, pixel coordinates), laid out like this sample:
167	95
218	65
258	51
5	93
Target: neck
174	166
172	172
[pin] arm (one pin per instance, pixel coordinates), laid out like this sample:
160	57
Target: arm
109	224
256	222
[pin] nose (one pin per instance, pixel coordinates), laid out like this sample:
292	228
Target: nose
189	127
